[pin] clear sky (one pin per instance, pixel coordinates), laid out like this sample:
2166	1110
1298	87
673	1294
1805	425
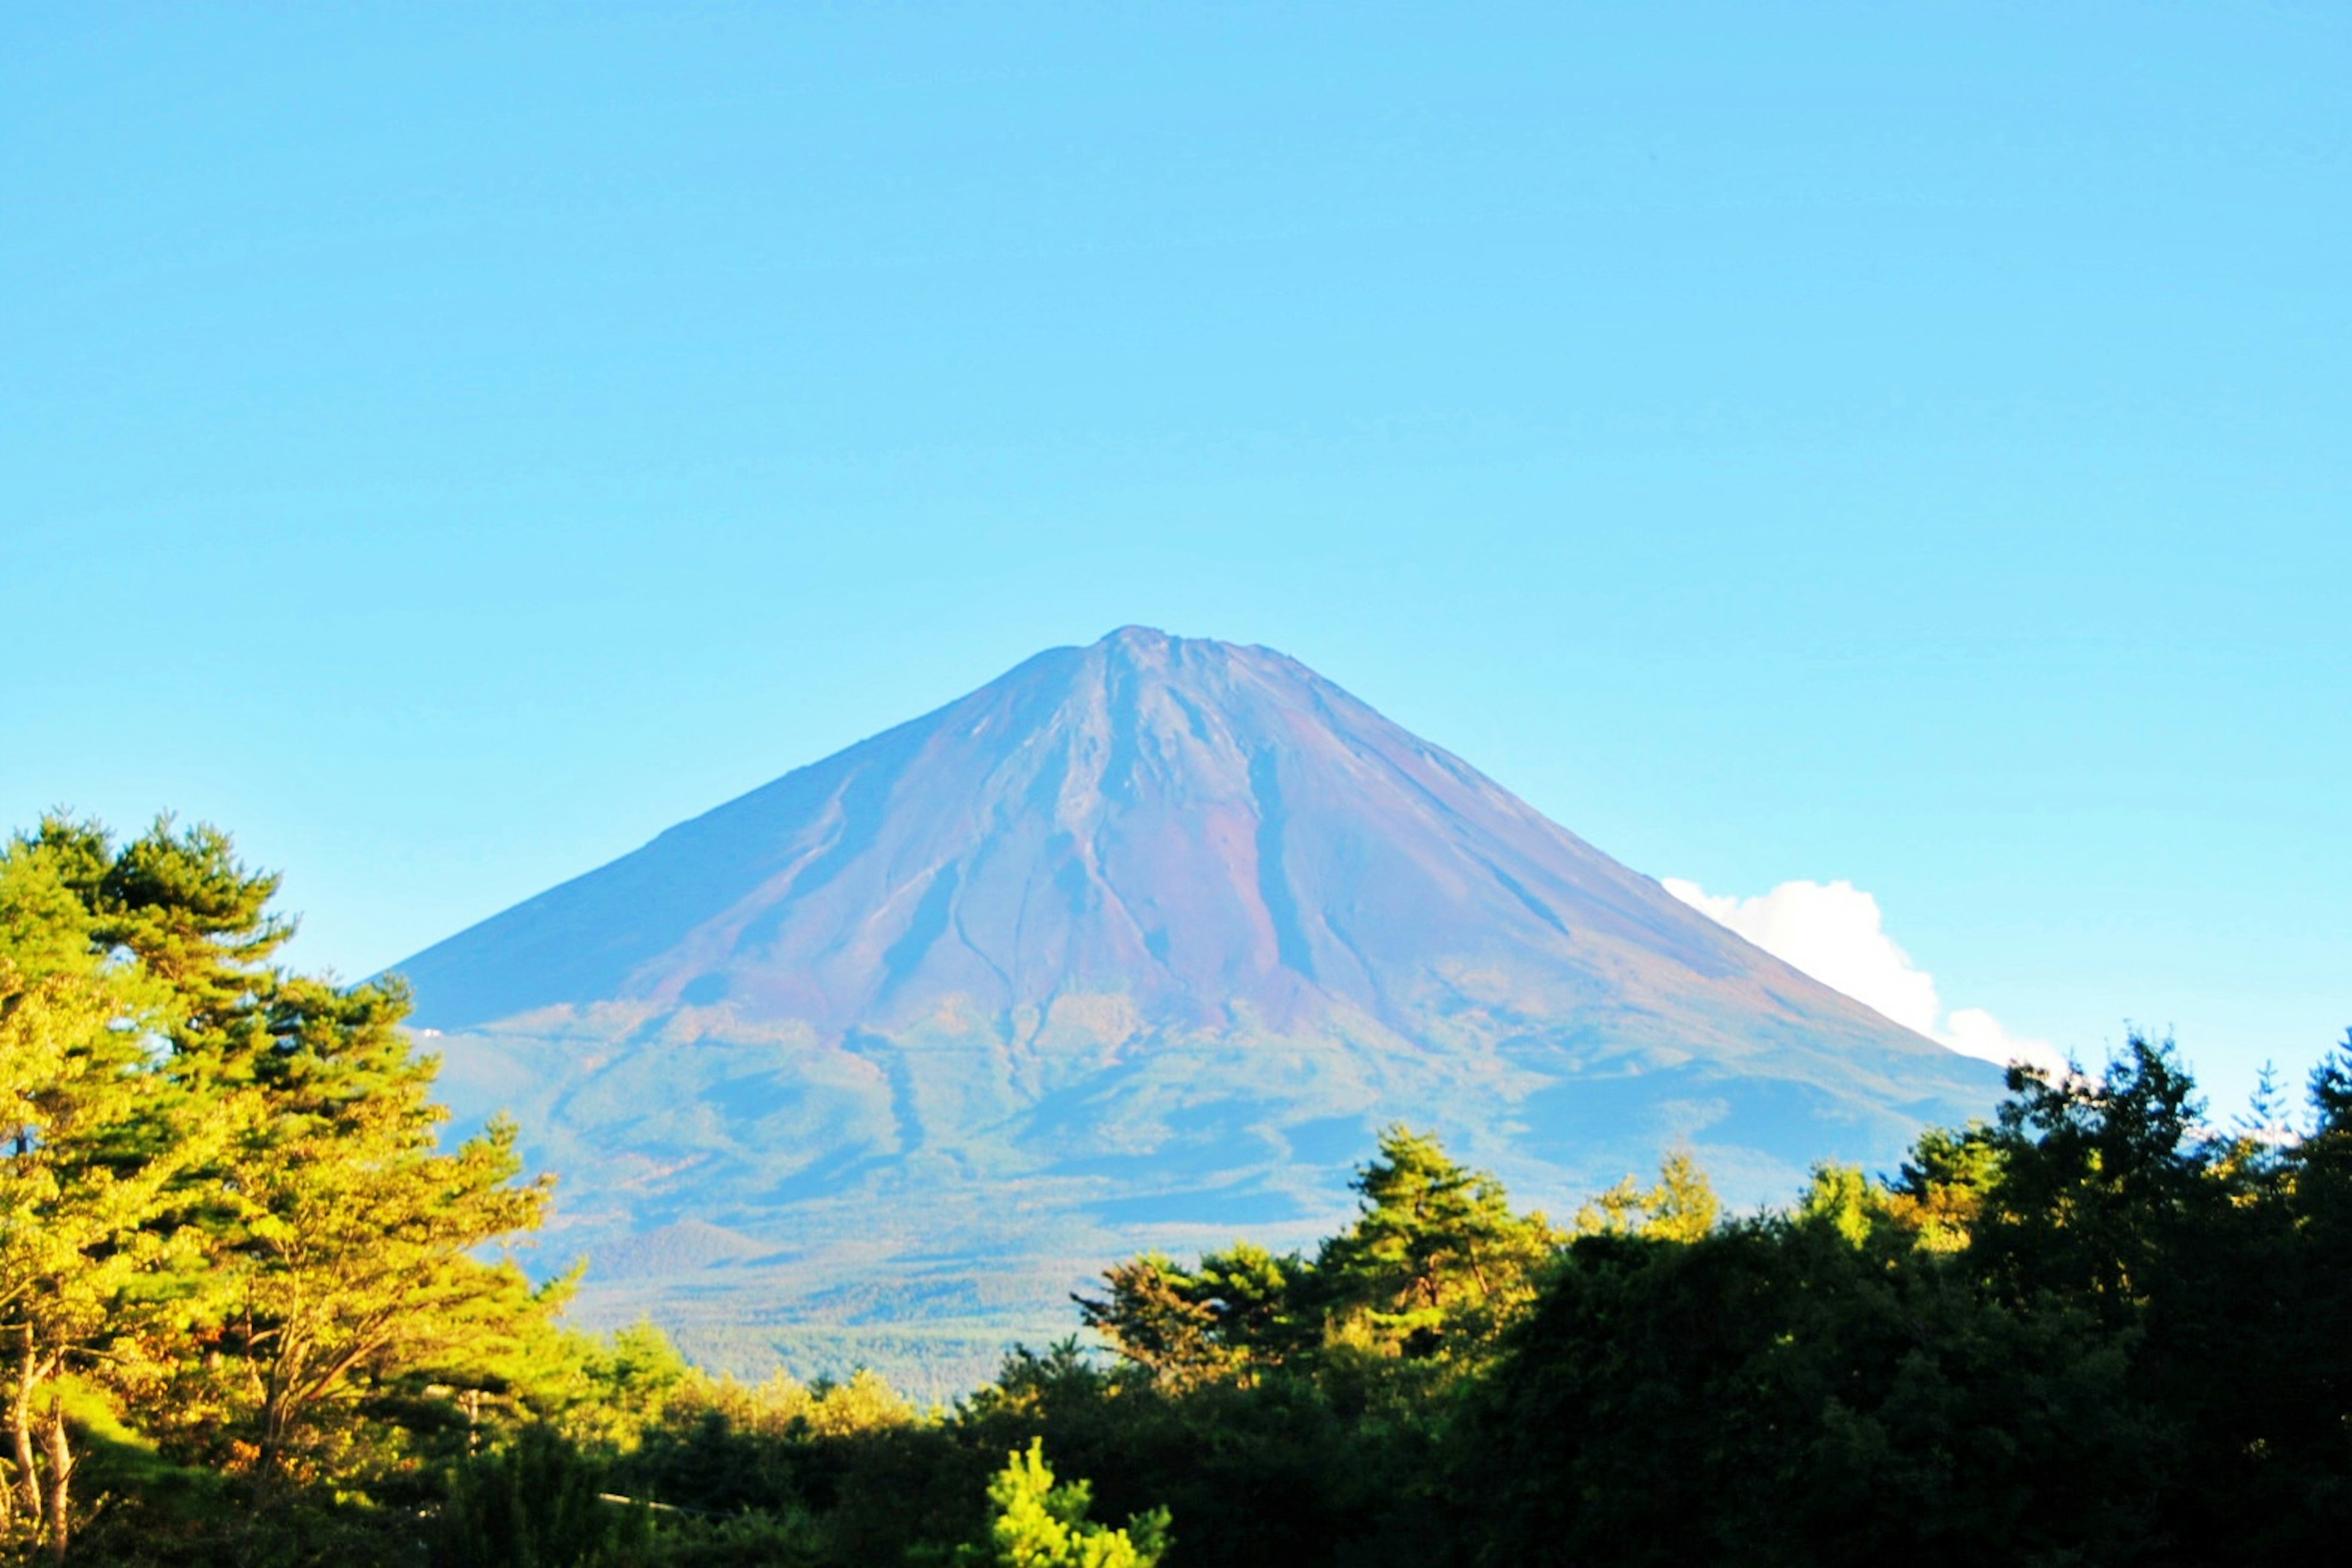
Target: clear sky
1903	445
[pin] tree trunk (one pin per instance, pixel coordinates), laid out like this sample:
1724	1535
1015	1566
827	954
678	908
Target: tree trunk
20	1430
1470	1256
61	1464
276	1419
281	1406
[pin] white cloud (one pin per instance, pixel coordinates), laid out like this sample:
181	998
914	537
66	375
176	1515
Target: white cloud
1835	932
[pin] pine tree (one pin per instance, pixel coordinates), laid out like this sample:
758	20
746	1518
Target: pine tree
1682	1207
286	1143
96	1142
1034	1523
1437	1261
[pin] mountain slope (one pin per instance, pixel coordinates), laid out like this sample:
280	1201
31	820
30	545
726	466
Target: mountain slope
1137	944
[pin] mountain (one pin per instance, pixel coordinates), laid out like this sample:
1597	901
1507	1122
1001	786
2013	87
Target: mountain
1136	945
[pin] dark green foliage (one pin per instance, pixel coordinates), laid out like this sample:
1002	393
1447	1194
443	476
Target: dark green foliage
1038	1522
1271	1469
536	1503
2094	1334
1435	1263
1776	1394
242	1320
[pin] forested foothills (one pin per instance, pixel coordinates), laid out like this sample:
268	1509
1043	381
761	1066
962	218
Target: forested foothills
255	1309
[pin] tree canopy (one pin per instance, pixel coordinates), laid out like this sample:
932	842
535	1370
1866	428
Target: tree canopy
225	1206
256	1308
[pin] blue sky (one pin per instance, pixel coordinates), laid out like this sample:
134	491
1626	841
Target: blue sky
1902	445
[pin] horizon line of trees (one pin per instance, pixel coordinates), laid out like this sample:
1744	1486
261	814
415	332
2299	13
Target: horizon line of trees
253	1312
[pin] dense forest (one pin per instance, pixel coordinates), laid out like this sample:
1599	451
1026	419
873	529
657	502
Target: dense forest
252	1310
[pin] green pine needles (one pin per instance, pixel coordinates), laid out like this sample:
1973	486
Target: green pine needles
1036	1523
255	1310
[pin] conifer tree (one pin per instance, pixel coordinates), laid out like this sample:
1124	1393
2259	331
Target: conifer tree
266	1140
1034	1524
95	1140
1437	1256
1682	1207
350	1254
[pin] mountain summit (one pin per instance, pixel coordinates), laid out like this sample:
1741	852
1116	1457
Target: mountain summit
1137	944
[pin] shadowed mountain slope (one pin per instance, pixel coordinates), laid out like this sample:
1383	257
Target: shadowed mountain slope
1135	945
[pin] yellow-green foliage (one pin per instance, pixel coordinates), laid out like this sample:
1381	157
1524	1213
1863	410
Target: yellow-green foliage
1034	1524
609	1393
1436	1261
1436	1264
224	1211
245	1298
1682	1207
94	1272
